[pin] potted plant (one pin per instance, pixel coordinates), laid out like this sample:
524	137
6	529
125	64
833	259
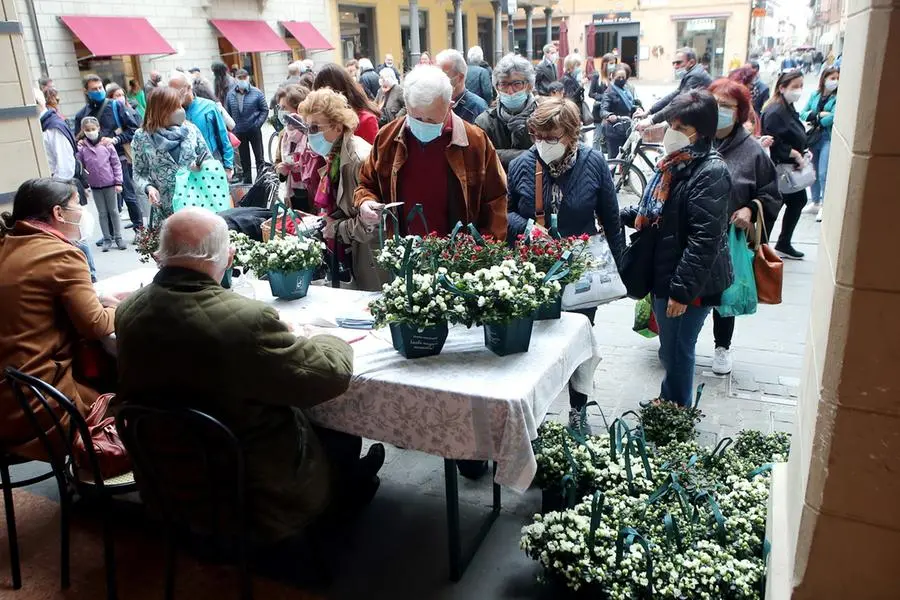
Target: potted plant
503	299
561	259
417	310
289	262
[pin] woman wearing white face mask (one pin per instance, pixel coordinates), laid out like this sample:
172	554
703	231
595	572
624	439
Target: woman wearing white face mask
781	121
331	122
688	201
819	113
162	146
49	302
577	190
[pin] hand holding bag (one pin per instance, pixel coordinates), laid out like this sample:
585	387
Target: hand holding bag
768	268
791	179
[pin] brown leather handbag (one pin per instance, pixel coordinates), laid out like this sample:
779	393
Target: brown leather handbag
112	457
768	268
539	195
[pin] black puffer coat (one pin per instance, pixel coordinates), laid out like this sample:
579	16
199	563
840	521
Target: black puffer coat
692	259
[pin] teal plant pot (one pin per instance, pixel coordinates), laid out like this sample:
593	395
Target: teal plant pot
412	343
548	311
226	279
507	338
290	286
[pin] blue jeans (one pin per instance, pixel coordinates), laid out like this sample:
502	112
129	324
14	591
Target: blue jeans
820	153
128	195
86	249
677	342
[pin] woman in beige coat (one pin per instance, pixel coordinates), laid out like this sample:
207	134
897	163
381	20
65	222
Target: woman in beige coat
331	123
47	302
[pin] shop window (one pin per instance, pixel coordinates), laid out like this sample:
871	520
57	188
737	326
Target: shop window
539	36
111	69
358	32
404	36
250	61
707	38
451	32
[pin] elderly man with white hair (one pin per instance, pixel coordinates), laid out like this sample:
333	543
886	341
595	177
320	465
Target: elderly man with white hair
186	342
390	97
478	77
506	123
465	104
434	158
206	116
368	78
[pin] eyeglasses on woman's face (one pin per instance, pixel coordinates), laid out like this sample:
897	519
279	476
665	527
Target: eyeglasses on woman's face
512	85
551	137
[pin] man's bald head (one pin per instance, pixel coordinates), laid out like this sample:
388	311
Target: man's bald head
180	82
196	239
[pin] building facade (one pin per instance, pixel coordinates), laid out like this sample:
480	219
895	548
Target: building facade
647	33
122	40
827	25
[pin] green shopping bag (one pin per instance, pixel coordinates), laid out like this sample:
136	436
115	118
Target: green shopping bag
740	298
207	188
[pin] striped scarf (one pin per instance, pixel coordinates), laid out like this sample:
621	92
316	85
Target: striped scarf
657	192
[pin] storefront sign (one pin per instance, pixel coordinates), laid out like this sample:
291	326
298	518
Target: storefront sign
700	25
612	18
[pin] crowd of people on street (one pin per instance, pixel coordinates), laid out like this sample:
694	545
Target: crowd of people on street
498	147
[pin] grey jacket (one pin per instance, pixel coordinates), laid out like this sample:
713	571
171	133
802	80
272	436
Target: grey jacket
752	175
391	106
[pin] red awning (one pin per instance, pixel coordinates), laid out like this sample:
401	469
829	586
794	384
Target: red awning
307	34
113	36
250	36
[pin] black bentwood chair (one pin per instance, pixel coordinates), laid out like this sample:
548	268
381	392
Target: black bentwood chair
46	408
190	469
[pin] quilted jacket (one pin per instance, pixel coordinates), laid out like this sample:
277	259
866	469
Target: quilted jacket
692	259
184	341
588	195
251	114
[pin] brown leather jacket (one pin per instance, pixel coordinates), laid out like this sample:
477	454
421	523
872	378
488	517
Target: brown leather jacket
473	164
47	304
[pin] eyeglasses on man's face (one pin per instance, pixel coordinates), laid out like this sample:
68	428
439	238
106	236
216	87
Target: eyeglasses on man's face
516	85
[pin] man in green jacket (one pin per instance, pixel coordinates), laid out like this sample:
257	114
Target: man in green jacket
184	341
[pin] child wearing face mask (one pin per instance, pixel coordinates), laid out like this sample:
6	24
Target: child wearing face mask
104	176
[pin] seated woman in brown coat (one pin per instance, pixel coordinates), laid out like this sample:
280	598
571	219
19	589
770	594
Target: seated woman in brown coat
47	301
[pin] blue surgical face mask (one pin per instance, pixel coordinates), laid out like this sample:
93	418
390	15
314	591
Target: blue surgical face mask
726	119
680	73
243	84
97	95
513	102
424	132
319	144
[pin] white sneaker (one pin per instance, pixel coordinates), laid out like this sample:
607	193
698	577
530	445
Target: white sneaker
819	216
722	363
811	208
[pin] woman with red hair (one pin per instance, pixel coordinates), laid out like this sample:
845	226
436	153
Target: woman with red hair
752	178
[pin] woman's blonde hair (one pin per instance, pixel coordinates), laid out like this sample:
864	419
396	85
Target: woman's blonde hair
330	104
553	113
572	62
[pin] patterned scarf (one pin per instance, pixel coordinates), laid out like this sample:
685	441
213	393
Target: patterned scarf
326	194
657	192
557	169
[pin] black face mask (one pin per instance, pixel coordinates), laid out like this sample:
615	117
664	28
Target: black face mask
620	83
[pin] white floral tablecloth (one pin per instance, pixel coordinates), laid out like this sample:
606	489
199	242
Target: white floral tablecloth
466	403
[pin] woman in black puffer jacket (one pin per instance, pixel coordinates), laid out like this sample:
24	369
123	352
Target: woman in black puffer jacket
688	201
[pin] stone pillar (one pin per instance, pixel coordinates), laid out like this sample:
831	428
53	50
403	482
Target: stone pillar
498	31
415	50
843	476
548	14
511	31
458	26
529	32
20	130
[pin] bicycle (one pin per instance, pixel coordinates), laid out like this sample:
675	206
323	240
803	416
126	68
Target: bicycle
634	165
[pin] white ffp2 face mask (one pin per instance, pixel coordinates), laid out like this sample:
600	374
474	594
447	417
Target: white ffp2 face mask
792	96
550	151
674	140
85	225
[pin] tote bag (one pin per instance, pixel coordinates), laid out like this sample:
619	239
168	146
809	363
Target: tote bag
599	285
207	188
740	297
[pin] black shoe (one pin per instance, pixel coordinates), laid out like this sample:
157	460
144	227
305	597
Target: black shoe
788	251
472	469
129	226
99	242
371	463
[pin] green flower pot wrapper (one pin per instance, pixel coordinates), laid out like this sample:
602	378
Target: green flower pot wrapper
290	286
412	342
226	278
549	310
508	338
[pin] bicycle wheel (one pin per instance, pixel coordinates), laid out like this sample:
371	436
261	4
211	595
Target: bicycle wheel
647	159
628	180
273	139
